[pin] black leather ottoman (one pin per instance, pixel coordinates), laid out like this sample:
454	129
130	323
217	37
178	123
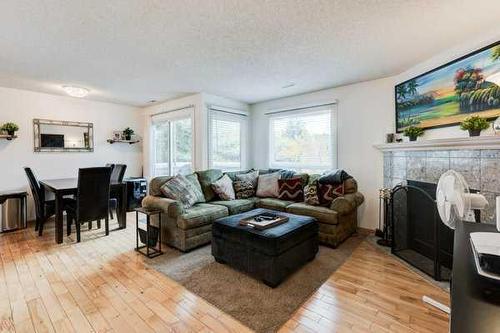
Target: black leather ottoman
270	255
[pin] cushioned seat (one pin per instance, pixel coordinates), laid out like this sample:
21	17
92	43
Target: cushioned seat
273	203
236	206
322	214
199	215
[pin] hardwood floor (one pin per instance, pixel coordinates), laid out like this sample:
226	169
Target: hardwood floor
102	285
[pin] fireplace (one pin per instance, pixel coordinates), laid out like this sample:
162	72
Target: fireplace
419	236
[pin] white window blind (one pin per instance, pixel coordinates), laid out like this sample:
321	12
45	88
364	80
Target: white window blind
303	140
227	140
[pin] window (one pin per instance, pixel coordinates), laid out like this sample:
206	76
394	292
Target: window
227	140
302	140
172	144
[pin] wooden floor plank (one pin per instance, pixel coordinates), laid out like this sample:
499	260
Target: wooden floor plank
102	285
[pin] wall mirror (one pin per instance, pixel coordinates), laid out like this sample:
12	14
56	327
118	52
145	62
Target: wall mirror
60	136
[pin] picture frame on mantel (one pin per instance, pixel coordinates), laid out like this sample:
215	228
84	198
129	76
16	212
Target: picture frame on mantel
444	96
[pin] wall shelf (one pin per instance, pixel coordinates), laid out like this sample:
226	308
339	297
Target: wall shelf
477	142
8	137
130	142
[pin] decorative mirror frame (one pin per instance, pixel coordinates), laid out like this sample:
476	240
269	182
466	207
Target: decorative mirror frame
37	135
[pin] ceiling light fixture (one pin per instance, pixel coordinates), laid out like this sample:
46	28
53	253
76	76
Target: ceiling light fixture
76	91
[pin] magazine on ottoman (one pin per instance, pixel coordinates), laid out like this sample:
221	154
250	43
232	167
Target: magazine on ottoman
264	221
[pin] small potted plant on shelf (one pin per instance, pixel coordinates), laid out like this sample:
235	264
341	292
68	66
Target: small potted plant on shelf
10	128
127	133
474	124
413	132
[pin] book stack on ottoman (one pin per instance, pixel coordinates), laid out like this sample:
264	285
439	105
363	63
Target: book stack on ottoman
269	255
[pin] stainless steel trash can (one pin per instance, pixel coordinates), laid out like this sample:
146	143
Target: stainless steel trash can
13	211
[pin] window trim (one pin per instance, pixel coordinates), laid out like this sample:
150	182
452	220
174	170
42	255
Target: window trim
230	115
187	112
286	113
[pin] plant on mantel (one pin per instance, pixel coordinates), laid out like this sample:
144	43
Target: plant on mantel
474	124
413	132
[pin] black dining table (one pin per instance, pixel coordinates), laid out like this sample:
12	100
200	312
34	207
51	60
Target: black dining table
69	186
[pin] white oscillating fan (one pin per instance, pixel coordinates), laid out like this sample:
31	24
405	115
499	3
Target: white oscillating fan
455	203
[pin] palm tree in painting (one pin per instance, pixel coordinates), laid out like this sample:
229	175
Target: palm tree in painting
495	54
401	92
412	87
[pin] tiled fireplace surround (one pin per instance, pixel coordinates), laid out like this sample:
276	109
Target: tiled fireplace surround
480	168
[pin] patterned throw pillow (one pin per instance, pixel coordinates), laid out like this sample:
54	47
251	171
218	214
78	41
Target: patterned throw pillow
328	193
267	186
291	189
224	188
196	187
244	189
251	176
311	194
180	189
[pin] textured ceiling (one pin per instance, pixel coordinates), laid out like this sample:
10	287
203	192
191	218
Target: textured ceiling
132	51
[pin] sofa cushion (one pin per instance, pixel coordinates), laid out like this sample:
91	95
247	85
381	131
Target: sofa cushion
200	214
273	203
193	179
291	189
268	185
224	188
236	206
251	176
328	192
206	179
322	214
155	185
311	196
232	174
243	189
180	189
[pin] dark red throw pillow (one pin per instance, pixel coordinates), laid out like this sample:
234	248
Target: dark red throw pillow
290	189
328	193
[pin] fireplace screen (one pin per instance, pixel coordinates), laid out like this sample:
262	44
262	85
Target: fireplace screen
419	237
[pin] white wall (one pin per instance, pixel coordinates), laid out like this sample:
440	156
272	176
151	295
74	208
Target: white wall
21	107
364	116
200	102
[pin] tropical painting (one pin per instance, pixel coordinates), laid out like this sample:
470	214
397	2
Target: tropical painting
446	95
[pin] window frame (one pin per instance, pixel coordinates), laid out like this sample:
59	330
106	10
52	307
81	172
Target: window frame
234	116
170	117
308	110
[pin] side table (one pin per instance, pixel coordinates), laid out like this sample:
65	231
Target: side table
149	237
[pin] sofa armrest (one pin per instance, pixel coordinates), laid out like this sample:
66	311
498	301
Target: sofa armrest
347	203
170	207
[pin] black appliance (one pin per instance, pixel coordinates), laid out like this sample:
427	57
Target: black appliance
136	191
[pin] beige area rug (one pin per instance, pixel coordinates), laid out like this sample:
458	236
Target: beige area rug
254	304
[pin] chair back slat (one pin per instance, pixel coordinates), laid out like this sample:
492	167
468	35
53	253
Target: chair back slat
38	193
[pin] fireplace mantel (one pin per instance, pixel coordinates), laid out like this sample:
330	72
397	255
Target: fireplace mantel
478	142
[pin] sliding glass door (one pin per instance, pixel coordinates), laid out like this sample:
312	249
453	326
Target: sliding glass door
172	144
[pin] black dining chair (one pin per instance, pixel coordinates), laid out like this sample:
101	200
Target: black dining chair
116	177
43	208
92	199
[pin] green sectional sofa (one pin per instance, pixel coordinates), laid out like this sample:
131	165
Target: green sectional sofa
186	229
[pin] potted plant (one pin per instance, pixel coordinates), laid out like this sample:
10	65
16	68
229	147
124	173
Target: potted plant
413	132
474	124
127	133
10	128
